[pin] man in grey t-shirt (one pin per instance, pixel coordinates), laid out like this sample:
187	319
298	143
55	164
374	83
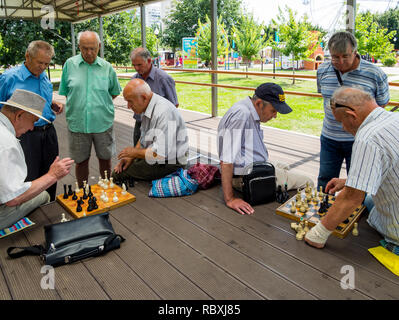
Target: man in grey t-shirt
159	81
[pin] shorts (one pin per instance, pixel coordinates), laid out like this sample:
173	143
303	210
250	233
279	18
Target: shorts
80	145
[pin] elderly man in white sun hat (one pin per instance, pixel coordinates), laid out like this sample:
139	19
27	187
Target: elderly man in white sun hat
17	197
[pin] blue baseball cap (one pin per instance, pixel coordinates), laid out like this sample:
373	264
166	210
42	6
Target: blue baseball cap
273	93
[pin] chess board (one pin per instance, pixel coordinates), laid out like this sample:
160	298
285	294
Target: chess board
313	217
70	205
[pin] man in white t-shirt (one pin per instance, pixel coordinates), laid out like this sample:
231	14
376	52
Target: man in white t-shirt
17	197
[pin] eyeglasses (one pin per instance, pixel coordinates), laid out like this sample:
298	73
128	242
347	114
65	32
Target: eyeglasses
338	105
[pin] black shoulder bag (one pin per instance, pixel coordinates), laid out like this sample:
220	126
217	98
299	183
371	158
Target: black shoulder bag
73	240
259	183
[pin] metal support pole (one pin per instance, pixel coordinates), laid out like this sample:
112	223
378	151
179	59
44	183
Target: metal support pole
350	15
274	63
142	21
73	40
101	34
214	49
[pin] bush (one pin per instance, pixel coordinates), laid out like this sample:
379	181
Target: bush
388	61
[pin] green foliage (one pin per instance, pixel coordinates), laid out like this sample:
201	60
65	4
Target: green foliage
389	61
248	39
204	39
390	20
183	19
372	38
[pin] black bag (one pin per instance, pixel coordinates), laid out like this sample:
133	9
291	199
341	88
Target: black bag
74	240
259	183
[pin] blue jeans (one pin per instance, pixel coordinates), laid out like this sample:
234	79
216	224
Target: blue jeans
332	155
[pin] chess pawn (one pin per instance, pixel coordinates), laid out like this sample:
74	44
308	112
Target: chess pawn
321	194
124	189
102	195
292	210
111	182
298	204
65	192
299	235
100	182
298	196
115	198
355	230
63	219
306	228
105	184
302	209
294	226
309	197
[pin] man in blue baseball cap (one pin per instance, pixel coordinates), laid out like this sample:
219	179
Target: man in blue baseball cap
240	143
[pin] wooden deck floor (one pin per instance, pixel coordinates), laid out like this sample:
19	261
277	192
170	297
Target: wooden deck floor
195	247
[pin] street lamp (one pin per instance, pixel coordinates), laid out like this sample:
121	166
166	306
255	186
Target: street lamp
262	33
156	32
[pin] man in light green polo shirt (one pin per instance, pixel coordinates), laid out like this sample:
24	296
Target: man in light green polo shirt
90	84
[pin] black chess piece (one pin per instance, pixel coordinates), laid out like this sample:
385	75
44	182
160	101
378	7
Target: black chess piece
131	182
84	194
70	192
286	196
90	193
74	197
65	192
279	194
79	207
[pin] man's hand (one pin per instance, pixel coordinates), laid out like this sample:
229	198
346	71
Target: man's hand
128	152
123	165
240	206
57	107
60	168
335	185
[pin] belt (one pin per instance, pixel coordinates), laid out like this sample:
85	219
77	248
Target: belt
43	128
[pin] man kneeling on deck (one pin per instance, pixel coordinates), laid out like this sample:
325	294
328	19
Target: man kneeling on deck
240	143
374	168
17	197
163	145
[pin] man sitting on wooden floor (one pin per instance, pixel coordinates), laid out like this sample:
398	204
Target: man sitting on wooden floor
17	197
163	145
374	168
240	143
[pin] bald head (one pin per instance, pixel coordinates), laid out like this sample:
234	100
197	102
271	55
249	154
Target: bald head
351	106
138	95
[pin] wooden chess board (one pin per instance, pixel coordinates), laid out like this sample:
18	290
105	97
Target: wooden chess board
71	205
313	217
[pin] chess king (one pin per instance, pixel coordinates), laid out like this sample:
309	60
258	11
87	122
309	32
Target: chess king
374	168
18	197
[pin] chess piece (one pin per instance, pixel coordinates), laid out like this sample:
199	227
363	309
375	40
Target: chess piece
79	207
84	193
294	226
102	195
306	228
293	208
84	184
105	177
355	230
115	198
63	219
124	189
65	192
100	181
302	209
90	194
105	184
111	182
131	182
321	194
70	192
298	196
299	235
77	190
74	197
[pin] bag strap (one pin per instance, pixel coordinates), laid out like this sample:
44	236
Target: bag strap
111	238
36	250
339	77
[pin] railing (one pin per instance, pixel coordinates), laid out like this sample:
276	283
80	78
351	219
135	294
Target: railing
395	104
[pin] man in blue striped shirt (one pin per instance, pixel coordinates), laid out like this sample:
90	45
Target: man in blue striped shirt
374	169
348	69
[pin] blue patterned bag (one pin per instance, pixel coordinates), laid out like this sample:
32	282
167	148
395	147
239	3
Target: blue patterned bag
176	184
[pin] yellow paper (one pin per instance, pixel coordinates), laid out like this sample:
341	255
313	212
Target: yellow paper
387	258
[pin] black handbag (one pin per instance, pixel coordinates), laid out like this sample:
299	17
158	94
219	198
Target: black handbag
259	183
74	240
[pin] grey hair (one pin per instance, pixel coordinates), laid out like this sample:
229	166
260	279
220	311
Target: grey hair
352	96
37	45
88	31
339	42
140	52
10	109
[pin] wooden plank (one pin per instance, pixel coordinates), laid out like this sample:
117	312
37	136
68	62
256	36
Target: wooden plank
207	276
371	278
250	272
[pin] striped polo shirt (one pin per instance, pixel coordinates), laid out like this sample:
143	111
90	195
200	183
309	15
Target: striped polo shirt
375	170
366	76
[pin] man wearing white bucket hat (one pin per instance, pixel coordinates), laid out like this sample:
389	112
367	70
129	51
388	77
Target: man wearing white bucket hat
17	197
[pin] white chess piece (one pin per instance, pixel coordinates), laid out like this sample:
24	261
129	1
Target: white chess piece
105	175
100	181
77	189
124	189
355	230
63	219
115	198
105	184
111	183
102	195
84	213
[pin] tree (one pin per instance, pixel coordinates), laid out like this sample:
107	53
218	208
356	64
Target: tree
248	39
389	20
296	39
183	19
204	40
371	38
